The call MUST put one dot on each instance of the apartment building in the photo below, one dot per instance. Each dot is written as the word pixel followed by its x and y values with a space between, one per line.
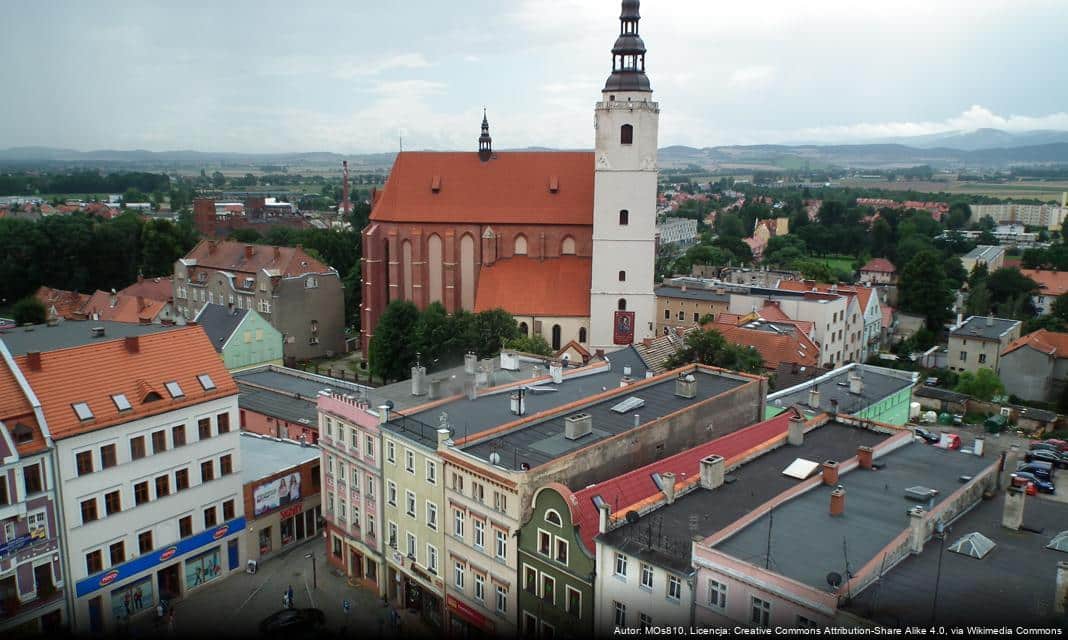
pixel 683 306
pixel 993 256
pixel 836 319
pixel 978 342
pixel 1047 216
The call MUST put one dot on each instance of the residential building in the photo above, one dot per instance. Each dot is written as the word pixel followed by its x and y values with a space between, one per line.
pixel 1047 216
pixel 101 305
pixel 863 322
pixel 859 390
pixel 1035 366
pixel 281 402
pixel 681 231
pixel 32 586
pixel 1051 285
pixel 835 318
pixel 242 337
pixel 219 219
pixel 297 294
pixel 878 271
pixel 777 342
pixel 148 467
pixel 281 493
pixel 1007 235
pixel 977 343
pixel 683 306
pixel 993 256
pixel 762 277
pixel 160 288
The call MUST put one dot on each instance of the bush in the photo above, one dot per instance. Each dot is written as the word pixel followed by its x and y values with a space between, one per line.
pixel 29 310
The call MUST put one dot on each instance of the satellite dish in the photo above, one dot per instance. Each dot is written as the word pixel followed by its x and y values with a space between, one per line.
pixel 834 579
pixel 389 405
pixel 495 458
pixel 631 516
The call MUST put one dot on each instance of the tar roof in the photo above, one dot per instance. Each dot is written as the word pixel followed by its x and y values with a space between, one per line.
pixel 284 406
pixel 984 328
pixel 1015 581
pixel 692 294
pixel 751 485
pixel 807 542
pixel 297 383
pixel 219 322
pixel 262 456
pixel 72 333
pixel 878 383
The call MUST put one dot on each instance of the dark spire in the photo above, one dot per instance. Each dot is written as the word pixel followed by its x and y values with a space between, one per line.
pixel 628 54
pixel 485 142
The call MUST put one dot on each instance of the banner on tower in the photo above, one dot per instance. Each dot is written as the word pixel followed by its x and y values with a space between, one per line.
pixel 624 328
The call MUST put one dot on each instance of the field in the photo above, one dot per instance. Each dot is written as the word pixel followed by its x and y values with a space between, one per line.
pixel 838 263
pixel 1051 190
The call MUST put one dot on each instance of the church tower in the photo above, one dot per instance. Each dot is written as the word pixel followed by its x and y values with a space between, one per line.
pixel 622 302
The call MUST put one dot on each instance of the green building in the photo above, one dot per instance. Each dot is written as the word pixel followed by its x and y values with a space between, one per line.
pixel 241 336
pixel 556 568
pixel 860 390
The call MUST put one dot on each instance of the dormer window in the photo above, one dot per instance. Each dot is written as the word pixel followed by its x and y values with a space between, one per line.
pixel 22 433
pixel 311 282
pixel 174 389
pixel 83 411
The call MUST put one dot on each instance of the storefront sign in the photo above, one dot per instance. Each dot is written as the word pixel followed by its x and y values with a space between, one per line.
pixel 276 493
pixel 13 546
pixel 466 612
pixel 151 560
pixel 623 327
pixel 289 512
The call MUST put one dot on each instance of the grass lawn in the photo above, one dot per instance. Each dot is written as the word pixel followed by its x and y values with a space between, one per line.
pixel 838 263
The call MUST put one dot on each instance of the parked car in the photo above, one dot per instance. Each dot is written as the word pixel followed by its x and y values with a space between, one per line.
pixel 1044 446
pixel 1055 458
pixel 1038 468
pixel 928 436
pixel 1045 486
pixel 1060 444
pixel 289 622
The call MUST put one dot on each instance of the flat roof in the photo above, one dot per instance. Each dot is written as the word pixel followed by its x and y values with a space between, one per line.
pixel 704 512
pixel 262 456
pixel 878 383
pixel 1013 584
pixel 306 385
pixel 278 405
pixel 807 543
pixel 984 252
pixel 692 294
pixel 984 327
pixel 72 333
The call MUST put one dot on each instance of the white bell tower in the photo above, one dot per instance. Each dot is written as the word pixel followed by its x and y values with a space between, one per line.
pixel 624 200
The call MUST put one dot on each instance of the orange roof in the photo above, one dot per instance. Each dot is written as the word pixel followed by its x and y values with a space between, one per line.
pixel 774 347
pixel 1049 342
pixel 1051 283
pixel 513 187
pixel 879 265
pixel 232 256
pixel 94 372
pixel 67 303
pixel 16 412
pixel 122 308
pixel 526 286
pixel 863 293
pixel 161 289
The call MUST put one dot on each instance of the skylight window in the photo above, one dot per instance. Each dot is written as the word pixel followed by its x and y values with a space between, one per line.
pixel 83 411
pixel 206 382
pixel 174 389
pixel 121 402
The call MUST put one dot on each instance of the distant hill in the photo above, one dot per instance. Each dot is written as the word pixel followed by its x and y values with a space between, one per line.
pixel 979 139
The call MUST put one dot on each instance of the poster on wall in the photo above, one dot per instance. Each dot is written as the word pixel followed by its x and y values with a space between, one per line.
pixel 202 568
pixel 133 599
pixel 623 327
pixel 276 493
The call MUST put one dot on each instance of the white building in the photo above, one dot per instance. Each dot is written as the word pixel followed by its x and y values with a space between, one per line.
pixel 1049 216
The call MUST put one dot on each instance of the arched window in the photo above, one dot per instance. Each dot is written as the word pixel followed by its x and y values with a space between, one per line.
pixel 523 329
pixel 626 134
pixel 622 304
pixel 624 217
pixel 467 272
pixel 520 245
pixel 622 276
pixel 434 260
pixel 406 268
pixel 553 517
pixel 582 334
pixel 567 247
pixel 556 337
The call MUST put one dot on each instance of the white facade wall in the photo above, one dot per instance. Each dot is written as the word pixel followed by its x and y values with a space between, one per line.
pixel 1033 215
pixel 827 316
pixel 612 589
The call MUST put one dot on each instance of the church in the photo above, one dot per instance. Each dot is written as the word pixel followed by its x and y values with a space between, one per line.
pixel 563 240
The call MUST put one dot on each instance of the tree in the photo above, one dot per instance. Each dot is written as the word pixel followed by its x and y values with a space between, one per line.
pixel 1059 308
pixel 958 216
pixel 924 289
pixel 1010 293
pixel 882 238
pixel 711 348
pixel 29 310
pixel 392 350
pixel 249 236
pixel 978 303
pixel 532 344
pixel 218 180
pixel 494 328
pixel 984 384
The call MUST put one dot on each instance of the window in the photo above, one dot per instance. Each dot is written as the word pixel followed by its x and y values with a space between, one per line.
pixel 621 304
pixel 204 428
pixel 626 134
pixel 392 533
pixel 140 493
pixel 457 482
pixel 144 542
pixel 432 559
pixel 682 315
pixel 117 551
pixel 622 276
pixel 553 517
pixel 644 621
pixel 209 517
pixel 478 492
pixel 185 526
pixel 674 591
pixel 620 614
pixel 94 561
pixel 548 589
pixel 369 447
pixel 89 510
pixel 480 532
pixel 431 472
pixel 760 614
pixel 696 317
pixel 544 542
pixel 391 492
pixel 311 282
pixel 458 523
pixel 409 461
pixel 178 436
pixel 502 599
pixel 84 462
pixel 582 334
pixel 35 522
pixel 207 471
pixel 667 314
pixel 107 456
pixel 561 550
pixel 409 503
pixel 621 565
pixel 163 486
pixel 206 382
pixel 355 441
pixel 391 452
pixel 624 217
pixel 370 486
pixel 717 595
pixel 520 245
pixel 530 579
pixel 805 623
pixel 963 356
pixel 174 389
pixel 647 576
pixel 355 478
pixel 83 411
pixel 222 423
pixel 458 575
pixel 502 544
pixel 181 479
pixel 137 447
pixel 982 358
pixel 4 499
pixel 500 501
pixel 432 516
pixel 480 588
pixel 226 465
pixel 159 441
pixel 411 545
pixel 573 602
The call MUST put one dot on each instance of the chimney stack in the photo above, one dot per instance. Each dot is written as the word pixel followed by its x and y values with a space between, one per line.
pixel 917 529
pixel 795 432
pixel 712 470
pixel 1060 597
pixel 556 370
pixel 443 437
pixel 133 344
pixel 434 389
pixel 604 512
pixel 1012 515
pixel 830 472
pixel 990 320
pixel 383 413
pixel 864 457
pixel 686 385
pixel 248 251
pixel 33 360
pixel 838 502
pixel 470 362
pixel 814 397
pixel 856 383
pixel 140 303
pixel 212 246
pixel 277 253
pixel 667 484
pixel 418 380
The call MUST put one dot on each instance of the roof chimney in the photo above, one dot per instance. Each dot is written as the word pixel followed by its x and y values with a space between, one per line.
pixel 814 397
pixel 140 303
pixel 556 370
pixel 830 472
pixel 578 425
pixel 383 413
pixel 856 383
pixel 133 344
pixel 96 332
pixel 795 431
pixel 1012 514
pixel 33 360
pixel 419 381
pixel 712 470
pixel 470 362
pixel 212 246
pixel 667 485
pixel 443 437
pixel 917 529
pixel 248 251
pixel 864 457
pixel 838 501
pixel 686 385
pixel 433 391
pixel 604 512
pixel 990 320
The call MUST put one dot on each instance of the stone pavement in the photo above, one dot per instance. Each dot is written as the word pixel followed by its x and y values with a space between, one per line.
pixel 235 605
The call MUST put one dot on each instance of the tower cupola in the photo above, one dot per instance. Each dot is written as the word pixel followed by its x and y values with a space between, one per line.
pixel 628 54
pixel 485 142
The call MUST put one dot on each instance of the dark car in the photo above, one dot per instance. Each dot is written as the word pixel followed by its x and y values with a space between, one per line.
pixel 1045 486
pixel 1062 445
pixel 928 436
pixel 1055 458
pixel 292 621
pixel 1044 470
pixel 1044 446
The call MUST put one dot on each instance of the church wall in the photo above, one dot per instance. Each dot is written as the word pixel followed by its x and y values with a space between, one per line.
pixel 569 328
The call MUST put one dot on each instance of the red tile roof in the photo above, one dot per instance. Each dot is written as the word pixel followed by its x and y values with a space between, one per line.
pixel 879 265
pixel 1051 283
pixel 16 411
pixel 774 348
pixel 121 308
pixel 231 256
pixel 1048 342
pixel 527 286
pixel 862 293
pixel 94 372
pixel 513 187
pixel 67 303
pixel 637 485
pixel 161 289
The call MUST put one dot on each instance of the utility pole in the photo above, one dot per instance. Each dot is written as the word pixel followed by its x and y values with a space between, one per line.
pixel 315 580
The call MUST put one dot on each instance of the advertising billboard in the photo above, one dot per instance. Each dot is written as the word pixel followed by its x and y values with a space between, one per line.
pixel 276 493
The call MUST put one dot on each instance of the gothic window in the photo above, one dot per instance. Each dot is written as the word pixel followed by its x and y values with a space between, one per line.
pixel 582 334
pixel 523 329
pixel 624 217
pixel 567 247
pixel 434 260
pixel 622 276
pixel 556 337
pixel 626 134
pixel 520 245
pixel 622 304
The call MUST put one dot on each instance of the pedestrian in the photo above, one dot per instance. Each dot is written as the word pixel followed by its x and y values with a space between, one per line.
pixel 289 595
pixel 138 599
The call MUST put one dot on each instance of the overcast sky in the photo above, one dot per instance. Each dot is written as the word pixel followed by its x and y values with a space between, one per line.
pixel 352 76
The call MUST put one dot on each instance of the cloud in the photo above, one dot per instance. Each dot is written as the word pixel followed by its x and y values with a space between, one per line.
pixel 354 69
pixel 344 67
pixel 751 78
